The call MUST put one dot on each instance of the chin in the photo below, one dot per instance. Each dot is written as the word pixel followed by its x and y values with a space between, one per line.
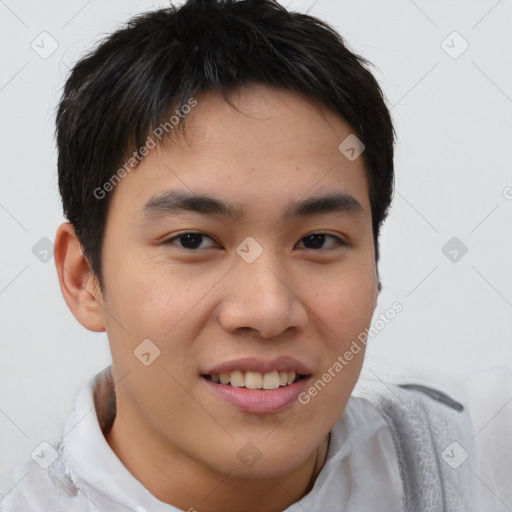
pixel 260 460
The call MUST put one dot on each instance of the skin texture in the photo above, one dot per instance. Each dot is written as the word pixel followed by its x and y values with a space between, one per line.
pixel 205 306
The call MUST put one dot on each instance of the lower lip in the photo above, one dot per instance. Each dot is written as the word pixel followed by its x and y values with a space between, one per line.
pixel 259 400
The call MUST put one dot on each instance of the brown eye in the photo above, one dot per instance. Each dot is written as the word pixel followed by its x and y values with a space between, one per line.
pixel 188 240
pixel 317 240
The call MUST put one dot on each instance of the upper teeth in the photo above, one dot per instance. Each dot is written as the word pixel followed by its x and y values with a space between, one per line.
pixel 255 380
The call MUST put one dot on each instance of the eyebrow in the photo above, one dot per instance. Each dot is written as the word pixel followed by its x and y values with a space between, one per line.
pixel 175 202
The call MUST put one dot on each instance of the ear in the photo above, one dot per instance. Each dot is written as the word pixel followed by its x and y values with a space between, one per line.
pixel 78 283
pixel 378 288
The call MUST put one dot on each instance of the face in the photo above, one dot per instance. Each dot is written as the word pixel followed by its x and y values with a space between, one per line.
pixel 251 281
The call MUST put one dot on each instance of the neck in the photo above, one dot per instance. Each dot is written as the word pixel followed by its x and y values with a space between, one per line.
pixel 176 479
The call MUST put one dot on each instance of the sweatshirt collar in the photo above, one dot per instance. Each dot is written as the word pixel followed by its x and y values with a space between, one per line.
pixel 90 461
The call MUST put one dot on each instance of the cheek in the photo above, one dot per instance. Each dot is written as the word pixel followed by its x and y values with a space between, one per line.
pixel 343 309
pixel 149 293
pixel 165 302
pixel 344 302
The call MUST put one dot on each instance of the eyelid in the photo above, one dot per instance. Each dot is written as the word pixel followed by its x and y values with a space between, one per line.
pixel 341 241
pixel 168 240
pixel 339 236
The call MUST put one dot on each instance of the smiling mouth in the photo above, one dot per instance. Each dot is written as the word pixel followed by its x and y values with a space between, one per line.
pixel 256 380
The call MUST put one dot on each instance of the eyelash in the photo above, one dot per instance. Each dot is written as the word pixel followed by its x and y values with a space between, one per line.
pixel 169 241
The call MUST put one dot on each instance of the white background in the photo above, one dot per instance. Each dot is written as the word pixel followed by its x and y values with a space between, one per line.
pixel 453 118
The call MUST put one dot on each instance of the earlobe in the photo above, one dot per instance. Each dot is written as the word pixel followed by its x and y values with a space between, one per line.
pixel 77 281
pixel 378 288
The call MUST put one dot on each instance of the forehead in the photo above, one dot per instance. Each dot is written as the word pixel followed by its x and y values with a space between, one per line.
pixel 275 145
pixel 259 116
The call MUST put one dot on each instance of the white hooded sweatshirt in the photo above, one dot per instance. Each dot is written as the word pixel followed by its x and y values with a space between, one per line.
pixel 392 449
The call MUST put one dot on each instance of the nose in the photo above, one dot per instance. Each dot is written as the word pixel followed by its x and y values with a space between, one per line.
pixel 264 298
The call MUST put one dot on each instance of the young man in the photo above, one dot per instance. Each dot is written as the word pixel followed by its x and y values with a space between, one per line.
pixel 226 168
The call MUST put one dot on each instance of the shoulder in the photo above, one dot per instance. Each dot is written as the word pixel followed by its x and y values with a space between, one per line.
pixel 432 437
pixel 490 405
pixel 35 489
